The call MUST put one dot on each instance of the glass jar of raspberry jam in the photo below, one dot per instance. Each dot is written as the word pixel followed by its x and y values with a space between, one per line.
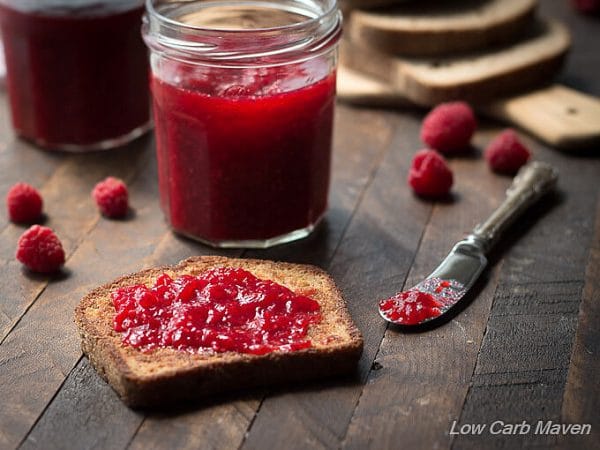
pixel 77 71
pixel 243 105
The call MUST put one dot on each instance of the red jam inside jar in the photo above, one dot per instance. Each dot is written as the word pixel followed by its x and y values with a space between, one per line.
pixel 220 310
pixel 76 75
pixel 243 141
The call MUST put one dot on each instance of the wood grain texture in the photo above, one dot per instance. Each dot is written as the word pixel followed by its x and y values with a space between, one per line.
pixel 437 29
pixel 565 118
pixel 87 422
pixel 20 162
pixel 581 401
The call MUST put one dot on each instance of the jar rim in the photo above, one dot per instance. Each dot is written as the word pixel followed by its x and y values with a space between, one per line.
pixel 332 8
pixel 264 45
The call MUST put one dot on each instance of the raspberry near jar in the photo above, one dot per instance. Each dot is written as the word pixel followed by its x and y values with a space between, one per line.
pixel 243 102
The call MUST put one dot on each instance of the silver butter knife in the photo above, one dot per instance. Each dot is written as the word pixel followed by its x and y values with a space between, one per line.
pixel 453 278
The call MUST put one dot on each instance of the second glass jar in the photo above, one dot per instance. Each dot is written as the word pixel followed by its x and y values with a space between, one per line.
pixel 77 72
pixel 243 102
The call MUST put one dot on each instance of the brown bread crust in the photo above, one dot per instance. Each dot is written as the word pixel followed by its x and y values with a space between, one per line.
pixel 476 77
pixel 430 28
pixel 167 376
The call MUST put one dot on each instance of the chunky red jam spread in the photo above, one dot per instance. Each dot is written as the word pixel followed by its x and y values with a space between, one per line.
pixel 424 302
pixel 222 309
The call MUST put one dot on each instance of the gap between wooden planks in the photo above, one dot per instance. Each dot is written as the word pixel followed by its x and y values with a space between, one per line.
pixel 581 400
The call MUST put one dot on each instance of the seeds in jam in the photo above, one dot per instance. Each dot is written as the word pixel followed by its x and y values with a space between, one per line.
pixel 222 309
pixel 424 302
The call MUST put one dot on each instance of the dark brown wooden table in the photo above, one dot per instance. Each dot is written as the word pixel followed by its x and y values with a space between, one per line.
pixel 526 347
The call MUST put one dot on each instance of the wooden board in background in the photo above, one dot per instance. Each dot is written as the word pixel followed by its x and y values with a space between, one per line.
pixel 562 117
pixel 477 77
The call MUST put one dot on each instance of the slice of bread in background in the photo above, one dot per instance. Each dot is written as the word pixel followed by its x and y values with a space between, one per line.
pixel 167 376
pixel 438 28
pixel 348 5
pixel 475 77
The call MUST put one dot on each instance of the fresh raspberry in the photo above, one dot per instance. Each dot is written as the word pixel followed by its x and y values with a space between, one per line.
pixel 24 203
pixel 112 197
pixel 506 154
pixel 429 174
pixel 40 250
pixel 449 127
pixel 586 6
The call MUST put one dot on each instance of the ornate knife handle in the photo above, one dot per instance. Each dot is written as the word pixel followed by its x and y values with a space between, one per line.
pixel 532 182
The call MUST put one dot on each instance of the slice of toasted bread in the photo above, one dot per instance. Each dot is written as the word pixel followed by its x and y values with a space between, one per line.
pixel 434 28
pixel 475 77
pixel 167 375
pixel 347 5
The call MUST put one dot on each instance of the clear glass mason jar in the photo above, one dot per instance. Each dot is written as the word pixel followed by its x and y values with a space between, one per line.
pixel 77 71
pixel 244 96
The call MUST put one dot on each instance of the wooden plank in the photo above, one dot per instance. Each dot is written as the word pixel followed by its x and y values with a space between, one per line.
pixel 538 339
pixel 581 401
pixel 360 140
pixel 44 346
pixel 71 214
pixel 417 379
pixel 374 257
pixel 512 398
pixel 105 424
pixel 216 425
pixel 522 366
pixel 173 248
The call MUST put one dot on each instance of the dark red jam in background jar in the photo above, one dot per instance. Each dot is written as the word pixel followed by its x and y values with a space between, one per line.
pixel 243 105
pixel 77 71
